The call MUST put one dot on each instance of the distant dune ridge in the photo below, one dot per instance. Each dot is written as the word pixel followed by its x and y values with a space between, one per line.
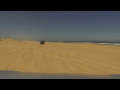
pixel 9 40
pixel 83 58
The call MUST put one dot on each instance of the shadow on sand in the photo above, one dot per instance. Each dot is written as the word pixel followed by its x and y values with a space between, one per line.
pixel 22 75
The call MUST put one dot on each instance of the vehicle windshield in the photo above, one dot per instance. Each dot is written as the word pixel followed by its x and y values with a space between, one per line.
pixel 60 42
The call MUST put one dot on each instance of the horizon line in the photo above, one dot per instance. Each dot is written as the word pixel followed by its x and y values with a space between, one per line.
pixel 62 40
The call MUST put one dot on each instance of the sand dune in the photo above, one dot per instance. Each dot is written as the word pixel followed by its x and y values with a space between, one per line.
pixel 59 57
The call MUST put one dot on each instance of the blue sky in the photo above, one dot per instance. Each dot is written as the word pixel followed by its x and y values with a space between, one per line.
pixel 61 25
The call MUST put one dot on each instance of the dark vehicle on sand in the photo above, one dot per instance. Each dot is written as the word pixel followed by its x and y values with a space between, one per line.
pixel 42 42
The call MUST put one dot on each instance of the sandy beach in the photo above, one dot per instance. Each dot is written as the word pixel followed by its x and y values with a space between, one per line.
pixel 53 57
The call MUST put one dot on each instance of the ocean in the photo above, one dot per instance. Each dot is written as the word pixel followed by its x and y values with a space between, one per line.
pixel 94 42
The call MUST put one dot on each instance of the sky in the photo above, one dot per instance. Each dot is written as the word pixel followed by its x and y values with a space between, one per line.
pixel 61 25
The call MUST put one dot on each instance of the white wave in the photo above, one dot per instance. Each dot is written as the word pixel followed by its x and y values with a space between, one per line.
pixel 110 43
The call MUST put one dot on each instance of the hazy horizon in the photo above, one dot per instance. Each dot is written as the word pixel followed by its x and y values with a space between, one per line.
pixel 61 25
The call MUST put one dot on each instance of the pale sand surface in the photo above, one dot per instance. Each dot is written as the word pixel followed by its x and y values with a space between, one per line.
pixel 73 58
